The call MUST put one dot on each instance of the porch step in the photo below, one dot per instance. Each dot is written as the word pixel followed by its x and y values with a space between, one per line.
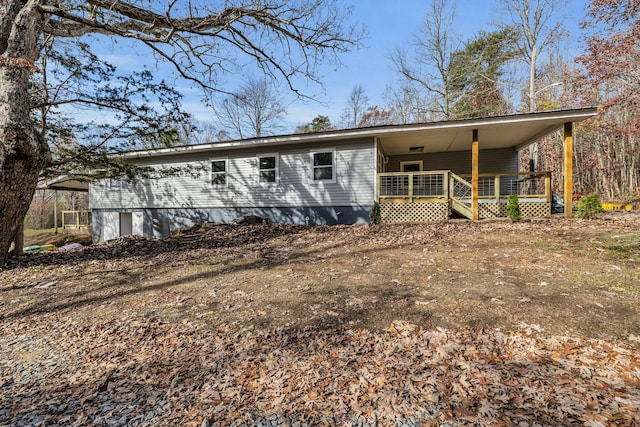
pixel 461 208
pixel 460 188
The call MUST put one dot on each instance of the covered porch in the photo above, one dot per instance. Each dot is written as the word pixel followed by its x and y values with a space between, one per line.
pixel 75 220
pixel 438 195
pixel 469 168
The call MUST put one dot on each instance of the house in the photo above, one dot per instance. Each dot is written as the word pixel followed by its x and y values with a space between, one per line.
pixel 74 219
pixel 417 172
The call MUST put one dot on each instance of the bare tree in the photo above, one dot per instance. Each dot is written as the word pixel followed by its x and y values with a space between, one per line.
pixel 199 132
pixel 533 22
pixel 405 103
pixel 253 111
pixel 610 146
pixel 285 39
pixel 357 104
pixel 376 116
pixel 428 67
pixel 207 132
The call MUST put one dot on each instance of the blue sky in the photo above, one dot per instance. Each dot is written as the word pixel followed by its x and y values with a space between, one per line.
pixel 389 25
pixel 392 24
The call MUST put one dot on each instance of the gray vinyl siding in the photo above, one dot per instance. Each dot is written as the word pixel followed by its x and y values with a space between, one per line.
pixel 489 161
pixel 192 188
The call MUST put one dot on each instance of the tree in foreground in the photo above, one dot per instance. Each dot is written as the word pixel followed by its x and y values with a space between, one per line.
pixel 286 40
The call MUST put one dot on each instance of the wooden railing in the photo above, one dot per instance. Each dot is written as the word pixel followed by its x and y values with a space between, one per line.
pixel 445 184
pixel 527 185
pixel 460 193
pixel 432 184
pixel 76 219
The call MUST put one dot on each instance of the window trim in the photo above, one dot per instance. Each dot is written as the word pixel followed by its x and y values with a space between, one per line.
pixel 115 183
pixel 333 166
pixel 276 169
pixel 226 171
pixel 412 162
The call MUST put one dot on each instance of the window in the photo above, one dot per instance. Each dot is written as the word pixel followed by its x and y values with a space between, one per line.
pixel 219 172
pixel 412 166
pixel 115 183
pixel 268 168
pixel 324 168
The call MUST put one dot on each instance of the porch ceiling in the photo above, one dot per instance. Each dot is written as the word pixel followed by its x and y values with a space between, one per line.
pixel 63 182
pixel 494 132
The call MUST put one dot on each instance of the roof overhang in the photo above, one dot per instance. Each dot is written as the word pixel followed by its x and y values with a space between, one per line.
pixel 515 131
pixel 63 182
pixel 511 131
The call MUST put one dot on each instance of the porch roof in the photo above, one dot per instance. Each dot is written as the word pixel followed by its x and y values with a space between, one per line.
pixel 514 131
pixel 517 131
pixel 63 182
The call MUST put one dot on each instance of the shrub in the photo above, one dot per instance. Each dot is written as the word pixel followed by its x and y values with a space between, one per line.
pixel 513 208
pixel 589 207
pixel 374 214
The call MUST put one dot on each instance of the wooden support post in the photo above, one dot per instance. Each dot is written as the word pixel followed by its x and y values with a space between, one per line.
pixel 474 176
pixel 547 186
pixel 496 188
pixel 55 211
pixel 568 170
pixel 410 188
pixel 445 186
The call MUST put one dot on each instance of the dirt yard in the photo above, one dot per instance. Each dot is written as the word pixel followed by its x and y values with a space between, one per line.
pixel 488 323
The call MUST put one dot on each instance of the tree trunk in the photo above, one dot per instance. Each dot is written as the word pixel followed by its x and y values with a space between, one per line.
pixel 532 79
pixel 23 152
pixel 18 241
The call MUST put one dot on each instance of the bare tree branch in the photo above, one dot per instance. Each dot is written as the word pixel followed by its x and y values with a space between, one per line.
pixel 307 33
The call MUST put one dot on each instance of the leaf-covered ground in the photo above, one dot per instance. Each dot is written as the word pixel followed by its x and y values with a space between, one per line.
pixel 459 323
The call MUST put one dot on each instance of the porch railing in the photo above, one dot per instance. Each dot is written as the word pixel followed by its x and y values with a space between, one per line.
pixel 76 219
pixel 460 193
pixel 527 185
pixel 436 184
pixel 412 184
